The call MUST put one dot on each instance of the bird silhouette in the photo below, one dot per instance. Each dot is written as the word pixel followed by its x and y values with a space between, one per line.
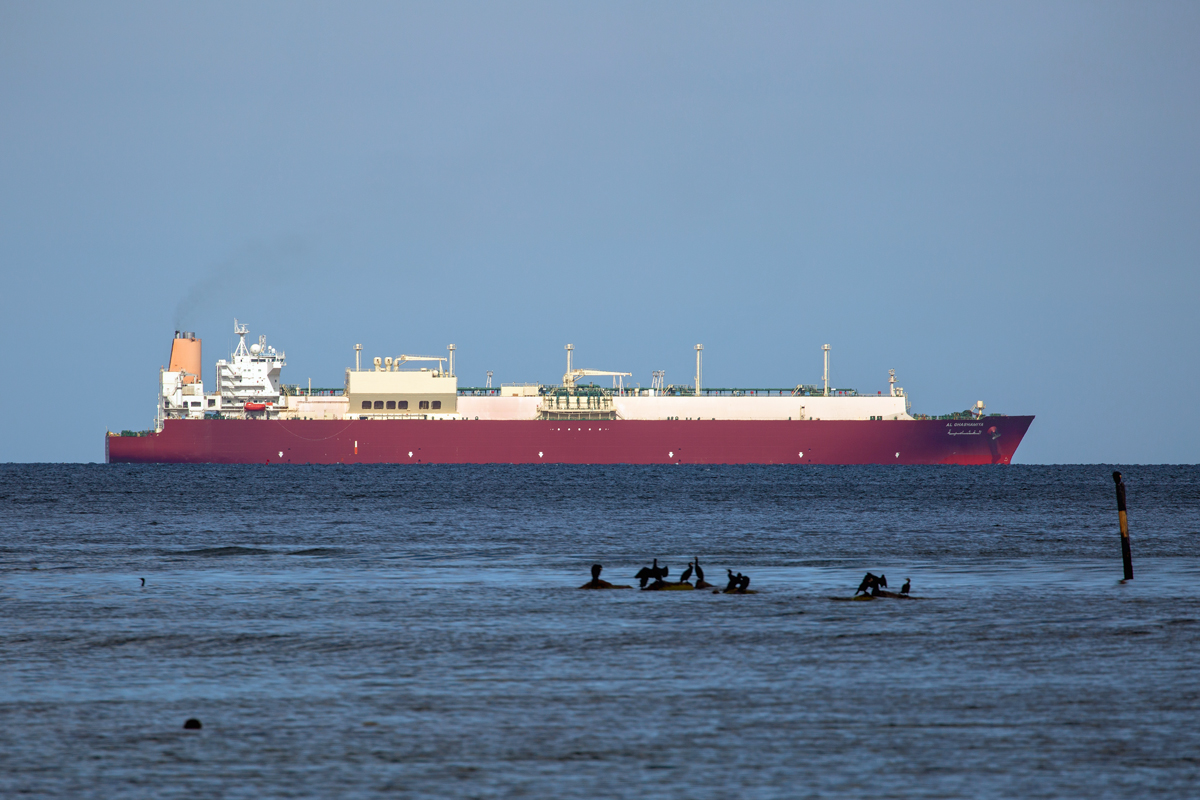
pixel 907 585
pixel 734 581
pixel 687 573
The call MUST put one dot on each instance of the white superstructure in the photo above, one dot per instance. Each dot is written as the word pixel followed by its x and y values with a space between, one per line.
pixel 249 378
pixel 249 384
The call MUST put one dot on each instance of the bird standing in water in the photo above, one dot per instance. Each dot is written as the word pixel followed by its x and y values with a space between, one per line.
pixel 907 585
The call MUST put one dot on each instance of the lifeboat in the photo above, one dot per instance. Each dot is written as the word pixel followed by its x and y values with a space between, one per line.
pixel 257 406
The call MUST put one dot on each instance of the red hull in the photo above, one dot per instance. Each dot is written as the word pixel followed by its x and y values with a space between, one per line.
pixel 992 440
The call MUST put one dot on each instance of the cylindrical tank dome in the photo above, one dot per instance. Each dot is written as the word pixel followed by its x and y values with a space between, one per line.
pixel 185 356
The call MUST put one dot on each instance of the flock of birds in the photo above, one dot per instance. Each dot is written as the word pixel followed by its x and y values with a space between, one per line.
pixel 655 577
pixel 876 586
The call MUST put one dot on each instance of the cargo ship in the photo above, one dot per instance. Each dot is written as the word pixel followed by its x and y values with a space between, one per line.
pixel 410 410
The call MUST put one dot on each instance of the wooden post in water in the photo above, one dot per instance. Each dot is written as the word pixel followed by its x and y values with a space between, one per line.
pixel 1126 554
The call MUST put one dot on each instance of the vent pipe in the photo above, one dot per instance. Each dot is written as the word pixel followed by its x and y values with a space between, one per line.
pixel 826 378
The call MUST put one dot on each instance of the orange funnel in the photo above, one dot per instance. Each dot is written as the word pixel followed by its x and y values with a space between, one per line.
pixel 185 356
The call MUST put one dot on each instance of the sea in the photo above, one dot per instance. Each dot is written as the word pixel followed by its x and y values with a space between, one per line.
pixel 419 631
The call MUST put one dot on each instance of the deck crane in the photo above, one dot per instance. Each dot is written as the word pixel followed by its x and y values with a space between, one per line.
pixel 570 377
pixel 402 358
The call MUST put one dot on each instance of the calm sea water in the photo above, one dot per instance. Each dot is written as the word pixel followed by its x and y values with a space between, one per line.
pixel 364 631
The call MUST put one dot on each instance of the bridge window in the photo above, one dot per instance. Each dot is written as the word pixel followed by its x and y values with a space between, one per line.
pixel 403 405
pixel 366 404
pixel 437 404
pixel 379 404
pixel 391 404
pixel 423 404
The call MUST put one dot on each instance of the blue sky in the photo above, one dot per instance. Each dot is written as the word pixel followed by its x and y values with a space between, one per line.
pixel 999 201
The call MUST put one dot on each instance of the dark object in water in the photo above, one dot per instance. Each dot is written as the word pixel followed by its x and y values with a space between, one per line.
pixel 654 572
pixel 907 585
pixel 700 582
pixel 687 574
pixel 192 724
pixel 872 583
pixel 738 584
pixel 596 583
pixel 143 581
pixel 642 576
pixel 1123 521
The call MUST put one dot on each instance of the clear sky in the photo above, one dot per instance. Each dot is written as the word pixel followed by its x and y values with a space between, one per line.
pixel 1001 201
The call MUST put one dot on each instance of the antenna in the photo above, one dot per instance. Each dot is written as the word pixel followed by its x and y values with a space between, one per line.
pixel 826 378
pixel 699 363
pixel 240 331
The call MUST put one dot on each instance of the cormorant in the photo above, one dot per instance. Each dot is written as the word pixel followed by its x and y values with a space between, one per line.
pixel 646 573
pixel 744 584
pixel 643 575
pixel 735 582
pixel 907 584
pixel 596 568
pixel 687 573
pixel 143 581
pixel 869 582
